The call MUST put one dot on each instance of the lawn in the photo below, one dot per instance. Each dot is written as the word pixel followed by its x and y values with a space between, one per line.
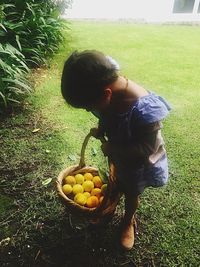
pixel 35 228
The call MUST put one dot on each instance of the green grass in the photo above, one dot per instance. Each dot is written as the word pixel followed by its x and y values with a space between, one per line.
pixel 163 58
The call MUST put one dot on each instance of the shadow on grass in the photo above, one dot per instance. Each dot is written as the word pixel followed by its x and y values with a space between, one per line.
pixel 36 231
pixel 65 243
pixel 82 245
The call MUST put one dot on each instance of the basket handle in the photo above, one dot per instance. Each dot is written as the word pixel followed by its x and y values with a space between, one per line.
pixel 85 142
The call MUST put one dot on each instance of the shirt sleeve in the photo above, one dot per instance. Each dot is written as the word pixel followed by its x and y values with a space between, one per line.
pixel 150 109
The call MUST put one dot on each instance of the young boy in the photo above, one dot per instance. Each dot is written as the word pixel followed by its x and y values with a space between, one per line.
pixel 129 116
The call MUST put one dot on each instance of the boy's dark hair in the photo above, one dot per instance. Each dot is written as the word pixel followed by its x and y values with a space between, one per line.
pixel 84 77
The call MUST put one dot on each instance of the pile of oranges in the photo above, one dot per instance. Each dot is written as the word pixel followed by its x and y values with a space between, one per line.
pixel 85 189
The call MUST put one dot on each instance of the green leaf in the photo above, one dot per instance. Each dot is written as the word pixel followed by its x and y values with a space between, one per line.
pixel 8 5
pixel 13 100
pixel 72 157
pixel 94 151
pixel 47 181
pixel 43 20
pixel 104 174
pixel 1 25
pixel 4 99
pixel 35 130
pixel 18 42
pixel 17 82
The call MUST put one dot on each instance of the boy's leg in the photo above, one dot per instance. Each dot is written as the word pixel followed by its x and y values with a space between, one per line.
pixel 127 236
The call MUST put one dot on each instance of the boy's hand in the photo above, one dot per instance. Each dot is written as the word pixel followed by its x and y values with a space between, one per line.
pixel 97 133
pixel 94 132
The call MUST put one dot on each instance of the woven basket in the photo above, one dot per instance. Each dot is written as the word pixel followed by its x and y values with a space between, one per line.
pixel 110 199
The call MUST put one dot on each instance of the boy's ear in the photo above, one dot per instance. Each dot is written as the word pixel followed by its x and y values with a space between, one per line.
pixel 107 93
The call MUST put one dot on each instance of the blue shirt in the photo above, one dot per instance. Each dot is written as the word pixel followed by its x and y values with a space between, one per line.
pixel 123 129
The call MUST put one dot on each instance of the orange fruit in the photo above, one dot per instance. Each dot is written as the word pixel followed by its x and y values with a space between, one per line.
pixel 96 192
pixel 88 176
pixel 80 199
pixel 67 189
pixel 92 202
pixel 77 188
pixel 88 186
pixel 70 180
pixel 97 181
pixel 79 178
pixel 87 194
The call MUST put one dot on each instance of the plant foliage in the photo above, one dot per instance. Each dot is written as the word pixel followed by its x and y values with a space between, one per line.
pixel 30 32
pixel 13 68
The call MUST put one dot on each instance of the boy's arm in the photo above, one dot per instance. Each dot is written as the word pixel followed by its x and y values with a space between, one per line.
pixel 98 132
pixel 149 146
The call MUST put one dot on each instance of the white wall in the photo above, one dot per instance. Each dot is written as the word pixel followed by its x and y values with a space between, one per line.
pixel 146 10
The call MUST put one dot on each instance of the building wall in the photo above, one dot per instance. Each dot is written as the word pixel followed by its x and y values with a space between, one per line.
pixel 141 10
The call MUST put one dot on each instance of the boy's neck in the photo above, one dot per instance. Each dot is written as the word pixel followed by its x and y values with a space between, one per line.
pixel 125 92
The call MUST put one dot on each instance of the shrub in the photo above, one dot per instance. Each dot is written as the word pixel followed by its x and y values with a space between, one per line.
pixel 13 84
pixel 30 32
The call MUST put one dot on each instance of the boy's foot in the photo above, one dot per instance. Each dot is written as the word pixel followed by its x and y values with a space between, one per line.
pixel 127 236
